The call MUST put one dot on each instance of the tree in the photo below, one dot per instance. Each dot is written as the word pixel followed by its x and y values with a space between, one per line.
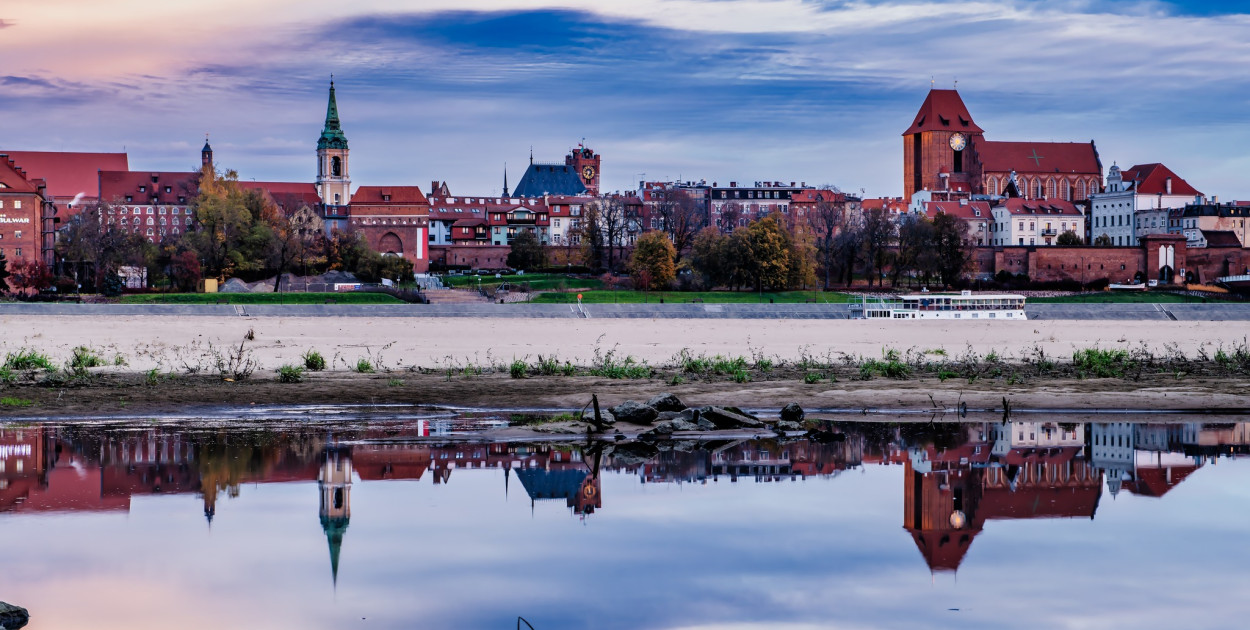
pixel 526 253
pixel 680 216
pixel 653 263
pixel 915 246
pixel 221 210
pixel 951 247
pixel 99 249
pixel 4 273
pixel 730 216
pixel 707 257
pixel 31 275
pixel 1070 239
pixel 768 249
pixel 1103 240
pixel 878 232
pixel 826 220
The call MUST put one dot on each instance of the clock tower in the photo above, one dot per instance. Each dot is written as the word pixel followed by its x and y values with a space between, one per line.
pixel 939 147
pixel 586 163
pixel 333 182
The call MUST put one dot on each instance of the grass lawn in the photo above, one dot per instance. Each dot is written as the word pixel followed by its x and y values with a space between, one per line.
pixel 1120 297
pixel 713 297
pixel 536 281
pixel 259 298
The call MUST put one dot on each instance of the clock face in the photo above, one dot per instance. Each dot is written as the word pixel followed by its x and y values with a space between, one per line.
pixel 959 141
pixel 588 172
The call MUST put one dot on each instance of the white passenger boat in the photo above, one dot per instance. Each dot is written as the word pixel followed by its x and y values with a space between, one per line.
pixel 962 305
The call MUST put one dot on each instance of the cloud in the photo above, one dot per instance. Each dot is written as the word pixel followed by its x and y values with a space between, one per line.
pixel 731 89
pixel 7 23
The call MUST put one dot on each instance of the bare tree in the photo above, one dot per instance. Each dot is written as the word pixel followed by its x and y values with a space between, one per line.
pixel 731 214
pixel 680 216
pixel 878 233
pixel 827 219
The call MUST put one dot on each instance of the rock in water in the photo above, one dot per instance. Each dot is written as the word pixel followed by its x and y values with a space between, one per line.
pixel 726 419
pixel 666 402
pixel 634 413
pixel 792 413
pixel 13 617
pixel 633 453
pixel 787 425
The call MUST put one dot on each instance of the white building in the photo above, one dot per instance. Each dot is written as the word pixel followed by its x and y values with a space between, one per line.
pixel 1136 203
pixel 1034 222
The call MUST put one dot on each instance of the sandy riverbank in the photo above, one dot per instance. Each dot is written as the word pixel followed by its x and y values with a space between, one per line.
pixel 147 342
pixel 427 361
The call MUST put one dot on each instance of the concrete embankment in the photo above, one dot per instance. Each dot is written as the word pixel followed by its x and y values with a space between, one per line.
pixel 1148 312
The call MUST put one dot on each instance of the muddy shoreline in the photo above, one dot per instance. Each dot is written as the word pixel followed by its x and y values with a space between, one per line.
pixel 124 394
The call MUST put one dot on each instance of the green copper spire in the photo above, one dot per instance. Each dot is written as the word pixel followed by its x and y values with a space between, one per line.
pixel 332 135
pixel 334 529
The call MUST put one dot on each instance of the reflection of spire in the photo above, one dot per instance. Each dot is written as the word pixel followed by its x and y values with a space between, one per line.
pixel 507 473
pixel 210 503
pixel 335 484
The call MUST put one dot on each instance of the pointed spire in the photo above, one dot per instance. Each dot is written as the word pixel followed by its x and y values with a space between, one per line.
pixel 505 179
pixel 332 134
pixel 531 154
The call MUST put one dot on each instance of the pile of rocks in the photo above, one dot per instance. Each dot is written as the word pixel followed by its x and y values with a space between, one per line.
pixel 666 414
pixel 13 617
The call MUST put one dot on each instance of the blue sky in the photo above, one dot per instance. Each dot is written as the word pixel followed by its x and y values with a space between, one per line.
pixel 743 90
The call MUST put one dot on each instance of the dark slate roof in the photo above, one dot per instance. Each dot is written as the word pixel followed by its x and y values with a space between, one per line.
pixel 551 484
pixel 549 179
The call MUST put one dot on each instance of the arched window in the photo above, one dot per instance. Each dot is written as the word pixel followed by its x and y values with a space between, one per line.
pixel 991 186
pixel 1037 189
pixel 1065 189
pixel 151 222
pixel 1050 189
pixel 1080 189
pixel 336 166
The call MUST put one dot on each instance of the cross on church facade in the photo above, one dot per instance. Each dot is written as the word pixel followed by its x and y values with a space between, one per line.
pixel 1037 159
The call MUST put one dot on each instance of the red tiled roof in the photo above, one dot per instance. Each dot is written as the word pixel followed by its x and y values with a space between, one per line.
pixel 1156 482
pixel 14 179
pixel 68 174
pixel 1041 207
pixel 943 110
pixel 397 194
pixel 815 196
pixel 1040 502
pixel 944 549
pixel 1038 157
pixel 956 209
pixel 116 185
pixel 469 223
pixel 1151 179
pixel 288 194
pixel 1221 238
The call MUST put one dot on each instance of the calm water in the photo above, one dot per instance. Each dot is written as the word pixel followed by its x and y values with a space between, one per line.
pixel 338 525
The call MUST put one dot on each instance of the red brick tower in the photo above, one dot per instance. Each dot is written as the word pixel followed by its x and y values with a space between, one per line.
pixel 586 162
pixel 939 141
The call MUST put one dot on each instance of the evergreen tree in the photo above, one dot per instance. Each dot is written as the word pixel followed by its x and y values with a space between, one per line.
pixel 4 273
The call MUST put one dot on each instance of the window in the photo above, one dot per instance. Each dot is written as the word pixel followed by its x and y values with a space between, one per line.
pixel 17 234
pixel 18 252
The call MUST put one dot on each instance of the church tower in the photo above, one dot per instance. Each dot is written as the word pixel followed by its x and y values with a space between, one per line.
pixel 333 181
pixel 938 147
pixel 206 154
pixel 335 483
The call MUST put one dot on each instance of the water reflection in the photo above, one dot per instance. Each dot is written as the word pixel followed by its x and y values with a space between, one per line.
pixel 956 478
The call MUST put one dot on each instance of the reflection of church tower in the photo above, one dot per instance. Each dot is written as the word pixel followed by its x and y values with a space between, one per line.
pixel 335 483
pixel 333 180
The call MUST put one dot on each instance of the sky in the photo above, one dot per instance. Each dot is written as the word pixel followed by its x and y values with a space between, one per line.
pixel 816 91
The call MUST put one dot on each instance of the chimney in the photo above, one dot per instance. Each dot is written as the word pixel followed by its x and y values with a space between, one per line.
pixel 733 184
pixel 792 184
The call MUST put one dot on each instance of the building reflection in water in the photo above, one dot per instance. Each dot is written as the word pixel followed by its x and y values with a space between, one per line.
pixel 956 477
